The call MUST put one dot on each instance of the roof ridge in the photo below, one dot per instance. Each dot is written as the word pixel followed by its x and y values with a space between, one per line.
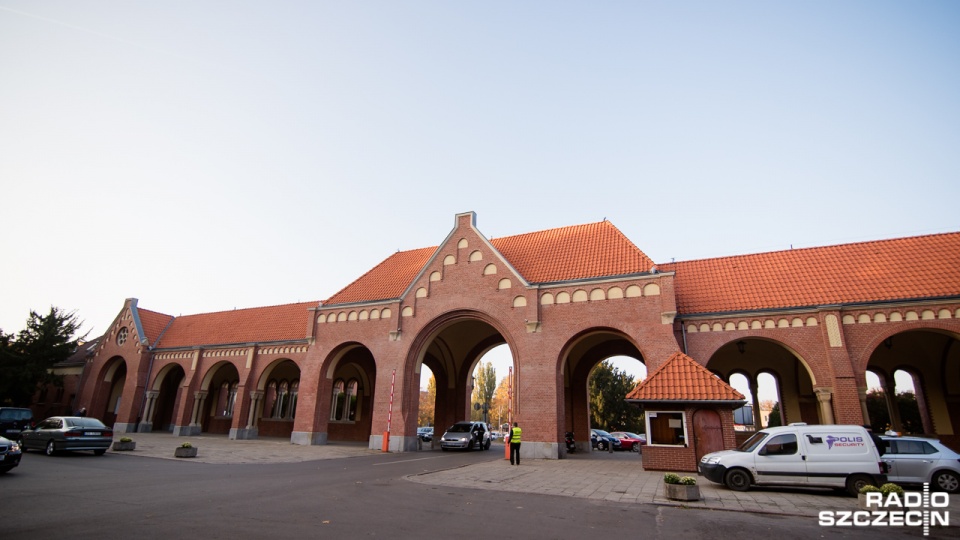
pixel 555 229
pixel 235 310
pixel 813 248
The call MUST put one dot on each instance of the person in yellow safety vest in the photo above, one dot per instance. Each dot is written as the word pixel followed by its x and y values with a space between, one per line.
pixel 515 444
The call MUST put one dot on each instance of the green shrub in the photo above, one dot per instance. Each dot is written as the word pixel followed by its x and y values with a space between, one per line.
pixel 186 445
pixel 890 487
pixel 869 489
pixel 125 439
pixel 671 478
pixel 688 481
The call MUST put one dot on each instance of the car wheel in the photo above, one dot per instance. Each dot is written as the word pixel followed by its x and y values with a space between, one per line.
pixel 444 449
pixel 486 445
pixel 51 449
pixel 856 482
pixel 947 481
pixel 100 452
pixel 635 447
pixel 738 480
pixel 601 445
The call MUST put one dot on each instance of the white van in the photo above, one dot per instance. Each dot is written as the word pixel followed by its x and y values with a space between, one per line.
pixel 799 455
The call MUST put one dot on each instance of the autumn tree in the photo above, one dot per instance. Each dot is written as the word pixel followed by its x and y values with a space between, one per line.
pixel 428 402
pixel 484 386
pixel 500 405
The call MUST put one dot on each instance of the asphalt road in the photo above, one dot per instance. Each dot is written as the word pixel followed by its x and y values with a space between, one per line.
pixel 116 496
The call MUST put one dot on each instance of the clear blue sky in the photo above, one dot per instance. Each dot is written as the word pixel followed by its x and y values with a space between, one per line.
pixel 203 156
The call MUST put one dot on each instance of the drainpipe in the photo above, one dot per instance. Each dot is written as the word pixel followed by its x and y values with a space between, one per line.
pixel 683 332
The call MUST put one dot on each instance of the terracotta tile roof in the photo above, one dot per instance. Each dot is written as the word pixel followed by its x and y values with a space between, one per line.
pixel 899 269
pixel 681 378
pixel 576 252
pixel 385 280
pixel 153 324
pixel 566 253
pixel 255 325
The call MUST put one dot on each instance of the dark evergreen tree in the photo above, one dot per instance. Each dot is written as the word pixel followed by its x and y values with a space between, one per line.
pixel 609 409
pixel 25 362
pixel 775 419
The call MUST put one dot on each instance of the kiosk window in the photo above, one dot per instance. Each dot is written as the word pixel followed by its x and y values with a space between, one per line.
pixel 666 428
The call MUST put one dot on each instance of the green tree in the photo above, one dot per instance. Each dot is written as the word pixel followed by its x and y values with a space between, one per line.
pixel 910 421
pixel 609 409
pixel 484 386
pixel 25 362
pixel 774 419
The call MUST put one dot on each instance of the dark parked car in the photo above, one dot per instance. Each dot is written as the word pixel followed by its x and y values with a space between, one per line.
pixel 425 433
pixel 630 441
pixel 13 420
pixel 59 433
pixel 9 454
pixel 601 440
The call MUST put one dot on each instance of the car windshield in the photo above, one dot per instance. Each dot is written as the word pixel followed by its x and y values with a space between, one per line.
pixel 85 422
pixel 751 443
pixel 602 433
pixel 633 435
pixel 459 428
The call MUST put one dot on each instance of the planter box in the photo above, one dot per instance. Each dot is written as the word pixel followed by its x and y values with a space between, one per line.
pixel 185 452
pixel 681 492
pixel 862 502
pixel 120 446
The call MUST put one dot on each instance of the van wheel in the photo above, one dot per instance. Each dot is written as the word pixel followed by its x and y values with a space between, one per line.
pixel 856 482
pixel 947 481
pixel 738 480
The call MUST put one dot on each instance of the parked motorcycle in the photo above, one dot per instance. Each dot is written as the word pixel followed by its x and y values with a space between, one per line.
pixel 571 445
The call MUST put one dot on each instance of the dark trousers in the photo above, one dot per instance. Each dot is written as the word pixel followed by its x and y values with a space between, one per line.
pixel 514 451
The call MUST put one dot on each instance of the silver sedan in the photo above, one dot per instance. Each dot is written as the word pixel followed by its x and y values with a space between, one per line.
pixel 916 460
pixel 63 433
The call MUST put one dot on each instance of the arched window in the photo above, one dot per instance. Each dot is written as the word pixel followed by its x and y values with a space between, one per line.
pixel 223 398
pixel 352 400
pixel 337 403
pixel 231 399
pixel 294 390
pixel 283 399
pixel 270 400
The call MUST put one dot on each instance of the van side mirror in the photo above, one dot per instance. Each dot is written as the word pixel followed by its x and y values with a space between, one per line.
pixel 762 452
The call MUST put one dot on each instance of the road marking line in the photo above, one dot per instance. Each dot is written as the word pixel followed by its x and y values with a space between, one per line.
pixel 409 460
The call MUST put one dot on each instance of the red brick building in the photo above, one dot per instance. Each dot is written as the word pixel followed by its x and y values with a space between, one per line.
pixel 563 300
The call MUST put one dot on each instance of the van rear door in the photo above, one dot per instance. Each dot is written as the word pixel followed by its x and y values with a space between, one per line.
pixel 780 461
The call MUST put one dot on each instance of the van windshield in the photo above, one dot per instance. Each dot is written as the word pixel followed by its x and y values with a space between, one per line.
pixel 750 444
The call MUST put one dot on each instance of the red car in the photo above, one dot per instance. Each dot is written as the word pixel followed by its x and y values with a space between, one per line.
pixel 630 441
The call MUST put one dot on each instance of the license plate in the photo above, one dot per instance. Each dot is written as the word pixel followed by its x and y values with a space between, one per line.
pixel 91 433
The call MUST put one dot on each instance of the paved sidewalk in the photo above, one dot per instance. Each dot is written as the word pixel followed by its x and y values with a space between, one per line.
pixel 617 477
pixel 620 478
pixel 220 449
